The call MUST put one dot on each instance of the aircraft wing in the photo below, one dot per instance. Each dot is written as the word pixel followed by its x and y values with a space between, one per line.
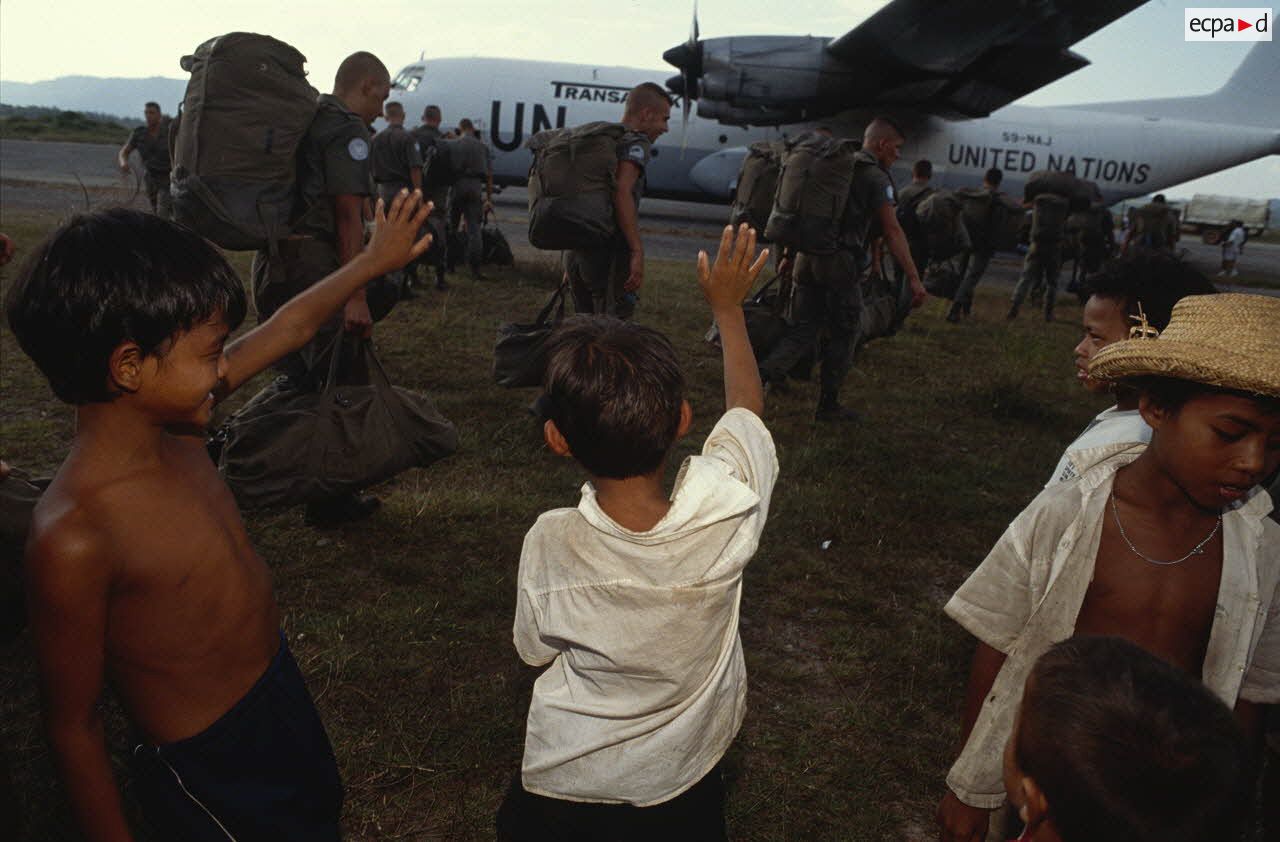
pixel 954 58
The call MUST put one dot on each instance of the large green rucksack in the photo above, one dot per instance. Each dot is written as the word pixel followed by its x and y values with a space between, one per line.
pixel 757 183
pixel 1049 218
pixel 247 107
pixel 571 185
pixel 984 215
pixel 812 197
pixel 1064 184
pixel 941 217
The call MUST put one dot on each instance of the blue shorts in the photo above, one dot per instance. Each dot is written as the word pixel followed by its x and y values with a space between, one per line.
pixel 264 772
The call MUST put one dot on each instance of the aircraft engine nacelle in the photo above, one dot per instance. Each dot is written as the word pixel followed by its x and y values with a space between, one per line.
pixel 764 80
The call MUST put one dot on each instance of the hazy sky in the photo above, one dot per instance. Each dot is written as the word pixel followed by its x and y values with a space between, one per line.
pixel 1141 55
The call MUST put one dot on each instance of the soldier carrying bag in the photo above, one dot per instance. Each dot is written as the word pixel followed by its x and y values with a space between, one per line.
pixel 941 217
pixel 246 109
pixel 288 446
pixel 572 180
pixel 813 194
pixel 757 183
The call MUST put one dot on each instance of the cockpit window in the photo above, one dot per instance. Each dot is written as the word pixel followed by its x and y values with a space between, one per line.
pixel 408 79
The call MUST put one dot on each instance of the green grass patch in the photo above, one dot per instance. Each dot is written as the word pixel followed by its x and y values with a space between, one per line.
pixel 403 624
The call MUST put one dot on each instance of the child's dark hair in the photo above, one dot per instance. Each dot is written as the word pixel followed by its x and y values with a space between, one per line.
pixel 615 390
pixel 1172 393
pixel 110 277
pixel 1156 281
pixel 1127 748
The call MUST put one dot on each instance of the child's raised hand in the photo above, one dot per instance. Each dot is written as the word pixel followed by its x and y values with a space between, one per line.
pixel 394 242
pixel 726 282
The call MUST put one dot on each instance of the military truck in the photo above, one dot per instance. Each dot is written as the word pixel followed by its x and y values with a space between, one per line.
pixel 1209 215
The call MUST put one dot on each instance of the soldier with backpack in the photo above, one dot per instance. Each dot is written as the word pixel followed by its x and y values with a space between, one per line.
pixel 1044 259
pixel 1152 227
pixel 437 178
pixel 585 186
pixel 834 198
pixel 983 211
pixel 472 166
pixel 334 182
pixel 909 199
pixel 397 165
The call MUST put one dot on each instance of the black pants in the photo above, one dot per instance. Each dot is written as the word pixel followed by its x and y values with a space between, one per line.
pixel 264 772
pixel 695 815
pixel 596 280
pixel 467 206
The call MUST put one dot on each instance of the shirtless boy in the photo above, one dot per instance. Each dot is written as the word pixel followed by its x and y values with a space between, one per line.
pixel 1166 545
pixel 139 570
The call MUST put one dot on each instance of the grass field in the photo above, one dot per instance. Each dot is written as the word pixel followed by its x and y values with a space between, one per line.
pixel 403 624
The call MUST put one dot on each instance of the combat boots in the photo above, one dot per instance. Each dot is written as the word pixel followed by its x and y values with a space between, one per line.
pixel 829 409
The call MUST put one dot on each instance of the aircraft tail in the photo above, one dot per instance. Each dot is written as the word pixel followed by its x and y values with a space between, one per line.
pixel 1251 97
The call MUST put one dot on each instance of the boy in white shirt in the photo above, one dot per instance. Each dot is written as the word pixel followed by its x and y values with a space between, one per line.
pixel 1119 298
pixel 632 598
pixel 1166 545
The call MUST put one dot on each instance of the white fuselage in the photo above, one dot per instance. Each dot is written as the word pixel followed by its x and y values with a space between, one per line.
pixel 1126 155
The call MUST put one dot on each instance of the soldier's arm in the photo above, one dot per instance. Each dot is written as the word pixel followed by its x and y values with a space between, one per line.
pixel 394 243
pixel 122 157
pixel 624 207
pixel 901 251
pixel 348 212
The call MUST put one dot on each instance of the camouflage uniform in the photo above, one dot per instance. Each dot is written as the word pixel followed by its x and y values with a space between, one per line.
pixel 471 161
pixel 1043 262
pixel 828 291
pixel 154 151
pixel 333 161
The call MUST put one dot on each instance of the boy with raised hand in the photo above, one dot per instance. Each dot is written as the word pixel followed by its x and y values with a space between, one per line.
pixel 1137 291
pixel 631 599
pixel 1167 544
pixel 1113 744
pixel 139 570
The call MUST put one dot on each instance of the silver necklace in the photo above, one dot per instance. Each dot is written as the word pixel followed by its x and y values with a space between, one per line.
pixel 1198 549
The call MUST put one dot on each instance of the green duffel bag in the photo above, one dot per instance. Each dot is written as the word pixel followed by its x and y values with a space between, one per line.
pixel 289 446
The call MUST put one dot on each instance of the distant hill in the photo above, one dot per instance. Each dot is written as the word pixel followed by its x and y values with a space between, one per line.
pixel 38 123
pixel 111 96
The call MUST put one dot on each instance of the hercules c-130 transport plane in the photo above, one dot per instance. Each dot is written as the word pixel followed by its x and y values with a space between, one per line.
pixel 946 71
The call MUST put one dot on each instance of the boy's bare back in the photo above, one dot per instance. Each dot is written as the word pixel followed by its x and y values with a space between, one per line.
pixel 147 562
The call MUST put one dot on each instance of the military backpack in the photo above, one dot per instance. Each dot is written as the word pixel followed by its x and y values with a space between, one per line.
pixel 246 109
pixel 941 216
pixel 1152 224
pixel 757 182
pixel 571 184
pixel 984 215
pixel 812 196
pixel 1049 218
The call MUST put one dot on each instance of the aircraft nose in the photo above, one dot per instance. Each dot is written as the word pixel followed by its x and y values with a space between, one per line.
pixel 716 173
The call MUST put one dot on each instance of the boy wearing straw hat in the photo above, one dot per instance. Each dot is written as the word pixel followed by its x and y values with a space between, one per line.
pixel 1167 544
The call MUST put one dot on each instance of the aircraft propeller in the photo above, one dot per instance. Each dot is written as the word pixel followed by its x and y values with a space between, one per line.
pixel 688 58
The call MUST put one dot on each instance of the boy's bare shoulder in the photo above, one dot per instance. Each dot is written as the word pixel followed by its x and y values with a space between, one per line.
pixel 67 549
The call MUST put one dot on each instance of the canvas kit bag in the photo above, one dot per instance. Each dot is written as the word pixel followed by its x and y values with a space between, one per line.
pixel 519 354
pixel 288 446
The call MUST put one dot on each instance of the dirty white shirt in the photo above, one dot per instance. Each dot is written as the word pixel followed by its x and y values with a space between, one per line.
pixel 1028 592
pixel 646 686
pixel 1112 426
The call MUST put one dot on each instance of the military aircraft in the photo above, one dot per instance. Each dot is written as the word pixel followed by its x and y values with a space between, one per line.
pixel 946 72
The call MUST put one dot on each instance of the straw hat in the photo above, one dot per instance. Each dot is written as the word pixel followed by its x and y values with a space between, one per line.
pixel 1228 340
